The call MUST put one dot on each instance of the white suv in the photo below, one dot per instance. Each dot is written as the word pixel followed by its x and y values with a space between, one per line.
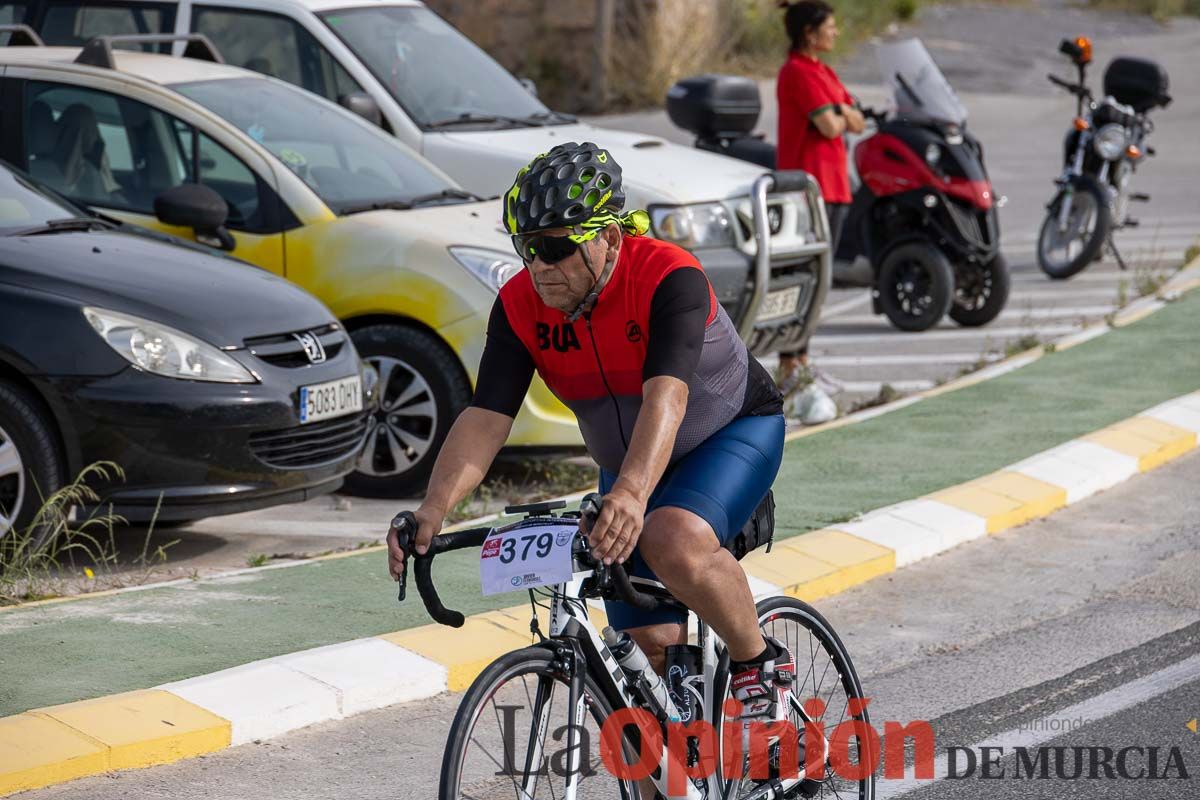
pixel 399 64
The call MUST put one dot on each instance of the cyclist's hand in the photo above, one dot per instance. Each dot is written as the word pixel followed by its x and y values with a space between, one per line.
pixel 618 527
pixel 429 523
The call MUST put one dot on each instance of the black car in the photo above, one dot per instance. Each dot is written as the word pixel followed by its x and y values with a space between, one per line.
pixel 216 386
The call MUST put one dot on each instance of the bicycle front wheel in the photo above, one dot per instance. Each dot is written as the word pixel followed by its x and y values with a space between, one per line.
pixel 825 672
pixel 509 738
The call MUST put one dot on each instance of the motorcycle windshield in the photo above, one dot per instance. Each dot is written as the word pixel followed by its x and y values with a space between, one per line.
pixel 918 87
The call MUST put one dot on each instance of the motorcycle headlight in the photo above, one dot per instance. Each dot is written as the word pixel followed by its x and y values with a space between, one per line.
pixel 492 267
pixel 694 226
pixel 165 351
pixel 1110 141
pixel 933 154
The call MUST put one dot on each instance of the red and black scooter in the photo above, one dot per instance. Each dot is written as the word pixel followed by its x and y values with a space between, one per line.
pixel 923 217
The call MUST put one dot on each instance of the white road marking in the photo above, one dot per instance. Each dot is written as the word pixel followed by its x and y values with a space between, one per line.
pixel 888 335
pixel 1099 707
pixel 905 358
pixel 873 387
pixel 1051 312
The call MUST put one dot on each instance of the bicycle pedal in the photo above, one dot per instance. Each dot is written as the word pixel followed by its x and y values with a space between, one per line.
pixel 1139 197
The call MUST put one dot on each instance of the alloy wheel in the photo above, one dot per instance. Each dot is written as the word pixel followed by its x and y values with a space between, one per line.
pixel 402 429
pixel 12 482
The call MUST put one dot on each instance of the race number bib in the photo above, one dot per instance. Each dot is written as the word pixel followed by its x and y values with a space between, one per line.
pixel 524 557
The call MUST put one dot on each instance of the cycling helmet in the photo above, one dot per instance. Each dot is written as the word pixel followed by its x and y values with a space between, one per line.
pixel 564 188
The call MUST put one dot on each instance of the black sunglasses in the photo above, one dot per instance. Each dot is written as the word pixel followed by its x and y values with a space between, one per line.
pixel 551 249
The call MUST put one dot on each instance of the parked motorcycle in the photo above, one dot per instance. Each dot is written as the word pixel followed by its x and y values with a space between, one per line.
pixel 923 214
pixel 1102 150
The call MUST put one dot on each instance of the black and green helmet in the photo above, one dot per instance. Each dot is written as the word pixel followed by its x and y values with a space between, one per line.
pixel 564 188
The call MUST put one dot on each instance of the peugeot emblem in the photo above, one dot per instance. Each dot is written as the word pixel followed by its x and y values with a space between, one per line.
pixel 312 347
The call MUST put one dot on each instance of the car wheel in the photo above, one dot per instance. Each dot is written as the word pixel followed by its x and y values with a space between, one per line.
pixel 915 285
pixel 422 389
pixel 30 467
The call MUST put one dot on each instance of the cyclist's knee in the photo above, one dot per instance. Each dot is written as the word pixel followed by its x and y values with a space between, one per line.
pixel 676 543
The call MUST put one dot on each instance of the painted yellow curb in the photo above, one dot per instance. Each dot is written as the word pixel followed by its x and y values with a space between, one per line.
pixel 144 728
pixel 468 651
pixel 820 563
pixel 1004 499
pixel 37 751
pixel 135 729
pixel 1151 441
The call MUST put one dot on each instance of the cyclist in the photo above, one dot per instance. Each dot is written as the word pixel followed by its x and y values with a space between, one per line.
pixel 687 428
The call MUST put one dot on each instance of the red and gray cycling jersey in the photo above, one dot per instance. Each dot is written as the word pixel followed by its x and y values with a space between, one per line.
pixel 657 316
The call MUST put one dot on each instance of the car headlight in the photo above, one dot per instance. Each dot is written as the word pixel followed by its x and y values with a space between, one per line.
pixel 694 226
pixel 1109 141
pixel 492 267
pixel 164 351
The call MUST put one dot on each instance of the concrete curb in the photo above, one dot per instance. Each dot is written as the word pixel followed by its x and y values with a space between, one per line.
pixel 268 698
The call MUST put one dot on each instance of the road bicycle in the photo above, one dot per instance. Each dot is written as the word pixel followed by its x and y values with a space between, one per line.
pixel 533 723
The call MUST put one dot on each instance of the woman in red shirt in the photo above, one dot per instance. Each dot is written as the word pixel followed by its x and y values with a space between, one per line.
pixel 815 110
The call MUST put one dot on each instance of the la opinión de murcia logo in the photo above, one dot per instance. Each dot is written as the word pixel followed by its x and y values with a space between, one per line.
pixel 856 750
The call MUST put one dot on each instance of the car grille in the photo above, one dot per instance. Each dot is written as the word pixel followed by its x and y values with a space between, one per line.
pixel 286 350
pixel 310 445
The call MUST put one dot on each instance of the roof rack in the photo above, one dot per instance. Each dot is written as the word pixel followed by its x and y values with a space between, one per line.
pixel 98 52
pixel 22 36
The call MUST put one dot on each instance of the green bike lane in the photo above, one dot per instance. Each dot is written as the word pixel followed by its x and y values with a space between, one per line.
pixel 91 647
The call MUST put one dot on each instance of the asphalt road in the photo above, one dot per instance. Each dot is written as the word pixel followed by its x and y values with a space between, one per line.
pixel 1077 630
pixel 997 58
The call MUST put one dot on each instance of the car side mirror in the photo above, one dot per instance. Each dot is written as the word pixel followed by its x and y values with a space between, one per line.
pixel 529 85
pixel 195 206
pixel 364 105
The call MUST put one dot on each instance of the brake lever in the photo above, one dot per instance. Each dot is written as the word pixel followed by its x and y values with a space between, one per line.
pixel 405 524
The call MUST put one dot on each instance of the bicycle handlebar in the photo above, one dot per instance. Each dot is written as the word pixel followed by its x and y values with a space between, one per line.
pixel 405 524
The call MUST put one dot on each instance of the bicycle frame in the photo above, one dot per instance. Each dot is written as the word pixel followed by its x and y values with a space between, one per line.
pixel 570 625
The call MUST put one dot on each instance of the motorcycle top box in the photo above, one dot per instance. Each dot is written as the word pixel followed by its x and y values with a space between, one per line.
pixel 1137 82
pixel 715 105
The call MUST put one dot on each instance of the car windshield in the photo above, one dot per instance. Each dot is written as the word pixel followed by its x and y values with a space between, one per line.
pixel 24 206
pixel 350 164
pixel 440 77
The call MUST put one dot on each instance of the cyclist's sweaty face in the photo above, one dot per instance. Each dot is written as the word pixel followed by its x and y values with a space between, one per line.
pixel 564 284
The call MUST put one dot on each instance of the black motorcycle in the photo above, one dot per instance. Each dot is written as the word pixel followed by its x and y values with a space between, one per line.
pixel 1103 148
pixel 924 214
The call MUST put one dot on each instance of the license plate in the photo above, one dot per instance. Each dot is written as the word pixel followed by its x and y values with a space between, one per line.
pixel 779 304
pixel 332 399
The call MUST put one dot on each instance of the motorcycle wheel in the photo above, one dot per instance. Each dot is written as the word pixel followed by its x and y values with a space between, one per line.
pixel 980 292
pixel 1063 253
pixel 915 286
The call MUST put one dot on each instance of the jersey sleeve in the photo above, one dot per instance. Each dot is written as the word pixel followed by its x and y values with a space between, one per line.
pixel 679 313
pixel 506 368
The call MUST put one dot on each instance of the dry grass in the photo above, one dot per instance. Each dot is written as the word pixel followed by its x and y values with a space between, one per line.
pixel 56 556
pixel 658 43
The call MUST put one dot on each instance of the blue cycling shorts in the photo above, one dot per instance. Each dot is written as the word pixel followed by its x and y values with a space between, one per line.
pixel 722 481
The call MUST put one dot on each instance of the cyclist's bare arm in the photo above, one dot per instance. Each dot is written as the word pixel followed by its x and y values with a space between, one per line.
pixel 471 445
pixel 615 534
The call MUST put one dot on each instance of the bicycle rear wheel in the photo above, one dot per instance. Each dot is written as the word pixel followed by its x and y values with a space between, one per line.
pixel 509 737
pixel 823 671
